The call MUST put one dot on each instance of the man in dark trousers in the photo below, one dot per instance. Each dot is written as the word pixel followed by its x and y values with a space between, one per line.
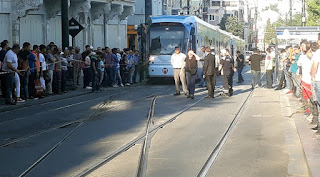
pixel 227 67
pixel 240 66
pixel 255 61
pixel 209 71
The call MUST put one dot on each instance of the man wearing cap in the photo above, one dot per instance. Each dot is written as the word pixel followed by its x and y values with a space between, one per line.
pixel 177 62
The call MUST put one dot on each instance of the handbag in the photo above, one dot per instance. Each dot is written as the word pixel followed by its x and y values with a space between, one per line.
pixel 39 88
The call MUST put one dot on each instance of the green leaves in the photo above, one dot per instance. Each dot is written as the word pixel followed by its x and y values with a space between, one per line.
pixel 232 25
pixel 313 9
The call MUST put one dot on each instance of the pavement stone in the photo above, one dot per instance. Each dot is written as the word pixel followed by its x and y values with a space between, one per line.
pixel 263 143
pixel 309 140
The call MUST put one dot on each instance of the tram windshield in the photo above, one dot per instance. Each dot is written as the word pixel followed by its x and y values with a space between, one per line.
pixel 165 37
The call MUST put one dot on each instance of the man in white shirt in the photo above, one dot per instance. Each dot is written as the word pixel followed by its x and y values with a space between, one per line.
pixel 177 62
pixel 315 75
pixel 10 64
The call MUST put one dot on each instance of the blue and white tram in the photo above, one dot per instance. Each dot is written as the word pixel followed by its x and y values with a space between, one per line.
pixel 164 33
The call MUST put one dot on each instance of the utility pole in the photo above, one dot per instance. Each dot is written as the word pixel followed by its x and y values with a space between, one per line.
pixel 303 13
pixel 65 23
pixel 148 9
pixel 188 7
pixel 290 11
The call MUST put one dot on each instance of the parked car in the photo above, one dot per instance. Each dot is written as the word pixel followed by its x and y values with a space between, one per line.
pixel 247 56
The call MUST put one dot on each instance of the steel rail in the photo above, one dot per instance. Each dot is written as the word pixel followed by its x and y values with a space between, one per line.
pixel 93 115
pixel 214 154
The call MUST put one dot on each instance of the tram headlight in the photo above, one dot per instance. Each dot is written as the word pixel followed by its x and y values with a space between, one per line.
pixel 152 58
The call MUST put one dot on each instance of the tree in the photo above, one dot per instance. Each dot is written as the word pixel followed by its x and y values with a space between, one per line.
pixel 234 26
pixel 273 7
pixel 313 9
pixel 270 33
pixel 223 22
pixel 297 20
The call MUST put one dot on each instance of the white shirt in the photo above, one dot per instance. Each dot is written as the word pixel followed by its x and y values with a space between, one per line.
pixel 316 58
pixel 12 58
pixel 177 60
pixel 43 61
pixel 268 62
pixel 306 65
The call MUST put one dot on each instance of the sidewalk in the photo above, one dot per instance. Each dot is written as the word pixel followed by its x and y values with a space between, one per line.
pixel 79 91
pixel 264 142
pixel 309 139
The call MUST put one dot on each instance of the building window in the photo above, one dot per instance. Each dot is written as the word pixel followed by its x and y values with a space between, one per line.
pixel 211 18
pixel 215 3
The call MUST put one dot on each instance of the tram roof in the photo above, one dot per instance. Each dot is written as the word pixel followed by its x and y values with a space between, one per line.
pixel 188 20
pixel 184 19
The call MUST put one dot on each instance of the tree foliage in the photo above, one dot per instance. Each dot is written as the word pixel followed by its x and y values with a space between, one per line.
pixel 223 22
pixel 273 7
pixel 313 9
pixel 234 26
pixel 270 33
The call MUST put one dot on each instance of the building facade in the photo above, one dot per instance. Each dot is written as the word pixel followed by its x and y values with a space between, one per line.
pixel 39 21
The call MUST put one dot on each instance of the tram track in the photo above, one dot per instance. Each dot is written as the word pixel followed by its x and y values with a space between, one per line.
pixel 217 148
pixel 94 114
pixel 145 139
pixel 78 124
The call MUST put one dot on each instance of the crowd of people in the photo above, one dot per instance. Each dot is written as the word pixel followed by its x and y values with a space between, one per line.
pixel 300 76
pixel 32 73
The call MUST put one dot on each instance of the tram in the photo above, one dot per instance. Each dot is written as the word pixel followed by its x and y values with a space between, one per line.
pixel 164 33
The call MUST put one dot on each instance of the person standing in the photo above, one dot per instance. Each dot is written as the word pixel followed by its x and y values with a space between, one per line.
pixel 131 66
pixel 95 62
pixel 177 62
pixel 209 71
pixel 315 75
pixel 227 67
pixel 10 64
pixel 240 66
pixel 191 65
pixel 24 67
pixel 50 60
pixel 64 70
pixel 200 67
pixel 117 62
pixel 269 68
pixel 33 59
pixel 136 67
pixel 57 72
pixel 255 61
pixel 109 62
pixel 3 52
pixel 77 65
pixel 123 67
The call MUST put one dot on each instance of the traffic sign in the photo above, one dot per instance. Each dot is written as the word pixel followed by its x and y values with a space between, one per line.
pixel 74 27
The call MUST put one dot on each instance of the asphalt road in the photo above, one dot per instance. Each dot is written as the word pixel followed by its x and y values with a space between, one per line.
pixel 109 120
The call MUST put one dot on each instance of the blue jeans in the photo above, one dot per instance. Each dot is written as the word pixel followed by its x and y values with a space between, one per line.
pixel 317 94
pixel 256 78
pixel 24 79
pixel 240 77
pixel 109 76
pixel 118 75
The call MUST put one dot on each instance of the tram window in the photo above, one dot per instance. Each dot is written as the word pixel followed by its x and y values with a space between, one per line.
pixel 163 39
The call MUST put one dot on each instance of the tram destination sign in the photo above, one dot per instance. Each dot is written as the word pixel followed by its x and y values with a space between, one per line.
pixel 74 27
